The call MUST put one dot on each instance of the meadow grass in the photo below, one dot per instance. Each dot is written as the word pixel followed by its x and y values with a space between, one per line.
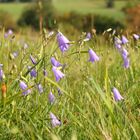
pixel 91 6
pixel 64 6
pixel 86 107
pixel 15 9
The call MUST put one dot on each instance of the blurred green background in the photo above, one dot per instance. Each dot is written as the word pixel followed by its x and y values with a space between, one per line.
pixel 24 13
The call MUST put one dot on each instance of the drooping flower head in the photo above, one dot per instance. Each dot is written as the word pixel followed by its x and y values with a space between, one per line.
pixel 63 42
pixel 5 35
pixel 1 65
pixel 1 73
pixel 55 62
pixel 33 72
pixel 117 43
pixel 57 73
pixel 54 121
pixel 124 53
pixel 125 58
pixel 93 56
pixel 117 40
pixel 15 54
pixel 88 37
pixel 40 88
pixel 8 33
pixel 117 95
pixel 136 37
pixel 32 59
pixel 51 97
pixel 124 40
pixel 25 46
pixel 126 63
pixel 24 87
pixel 50 34
pixel 118 46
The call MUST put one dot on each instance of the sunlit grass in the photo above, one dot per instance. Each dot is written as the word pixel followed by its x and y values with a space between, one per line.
pixel 86 107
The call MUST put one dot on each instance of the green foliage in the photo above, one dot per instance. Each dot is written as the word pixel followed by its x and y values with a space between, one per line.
pixel 87 22
pixel 130 4
pixel 63 6
pixel 29 18
pixel 102 23
pixel 31 15
pixel 110 3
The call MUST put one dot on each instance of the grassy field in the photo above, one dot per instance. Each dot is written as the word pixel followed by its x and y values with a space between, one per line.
pixel 86 107
pixel 89 6
pixel 81 6
pixel 15 9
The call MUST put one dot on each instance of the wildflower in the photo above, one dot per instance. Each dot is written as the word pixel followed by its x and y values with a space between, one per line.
pixel 51 98
pixel 3 90
pixel 126 62
pixel 1 73
pixel 1 65
pixel 58 74
pixel 40 88
pixel 117 43
pixel 125 58
pixel 50 34
pixel 118 46
pixel 33 59
pixel 9 32
pixel 5 35
pixel 33 72
pixel 25 46
pixel 124 53
pixel 136 37
pixel 24 87
pixel 54 121
pixel 88 37
pixel 55 62
pixel 117 95
pixel 93 56
pixel 15 54
pixel 124 40
pixel 63 42
pixel 117 40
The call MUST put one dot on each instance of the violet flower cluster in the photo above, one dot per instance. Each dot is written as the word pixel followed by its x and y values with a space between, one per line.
pixel 64 45
pixel 124 53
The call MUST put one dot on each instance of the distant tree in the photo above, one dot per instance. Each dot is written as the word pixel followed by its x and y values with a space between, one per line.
pixel 38 15
pixel 110 3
